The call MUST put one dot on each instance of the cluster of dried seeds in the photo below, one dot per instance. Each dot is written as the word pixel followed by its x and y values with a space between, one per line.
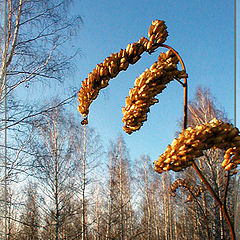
pixel 231 158
pixel 149 84
pixel 116 62
pixel 157 34
pixel 193 190
pixel 192 141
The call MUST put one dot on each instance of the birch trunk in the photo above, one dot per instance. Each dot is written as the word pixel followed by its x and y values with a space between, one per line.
pixel 165 212
pixel 84 182
pixel 56 184
pixel 121 190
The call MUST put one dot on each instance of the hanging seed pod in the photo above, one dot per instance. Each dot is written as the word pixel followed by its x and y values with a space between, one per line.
pixel 157 34
pixel 116 62
pixel 184 183
pixel 231 158
pixel 157 31
pixel 150 83
pixel 181 154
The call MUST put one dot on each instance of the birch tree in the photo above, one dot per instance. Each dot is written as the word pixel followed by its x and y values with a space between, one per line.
pixel 88 149
pixel 55 167
pixel 36 34
pixel 119 210
pixel 32 42
pixel 30 219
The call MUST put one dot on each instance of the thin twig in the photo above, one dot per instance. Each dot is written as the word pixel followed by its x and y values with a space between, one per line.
pixel 65 101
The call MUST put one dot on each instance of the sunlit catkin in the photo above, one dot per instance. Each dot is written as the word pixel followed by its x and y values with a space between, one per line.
pixel 149 84
pixel 192 141
pixel 116 62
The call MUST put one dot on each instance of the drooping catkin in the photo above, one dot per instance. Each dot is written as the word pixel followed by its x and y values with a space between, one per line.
pixel 231 158
pixel 185 183
pixel 149 84
pixel 192 141
pixel 116 62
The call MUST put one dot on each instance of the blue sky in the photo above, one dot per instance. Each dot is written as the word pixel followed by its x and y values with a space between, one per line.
pixel 202 33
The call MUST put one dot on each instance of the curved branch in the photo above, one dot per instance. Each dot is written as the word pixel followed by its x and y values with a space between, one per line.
pixel 184 84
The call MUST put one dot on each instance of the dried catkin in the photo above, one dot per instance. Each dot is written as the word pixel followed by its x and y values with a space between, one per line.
pixel 192 141
pixel 116 62
pixel 184 183
pixel 149 84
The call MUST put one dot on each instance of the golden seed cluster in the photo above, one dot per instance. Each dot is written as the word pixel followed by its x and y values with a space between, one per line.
pixel 116 62
pixel 157 34
pixel 150 83
pixel 231 158
pixel 193 190
pixel 192 141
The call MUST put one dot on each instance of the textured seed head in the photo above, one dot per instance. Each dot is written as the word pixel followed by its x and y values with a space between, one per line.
pixel 150 83
pixel 182 153
pixel 157 32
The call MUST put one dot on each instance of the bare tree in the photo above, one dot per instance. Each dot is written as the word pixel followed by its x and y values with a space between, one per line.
pixel 36 33
pixel 88 149
pixel 55 165
pixel 30 219
pixel 32 51
pixel 156 214
pixel 145 184
pixel 118 205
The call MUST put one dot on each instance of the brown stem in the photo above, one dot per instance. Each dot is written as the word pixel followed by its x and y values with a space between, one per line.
pixel 184 84
pixel 185 106
pixel 220 204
